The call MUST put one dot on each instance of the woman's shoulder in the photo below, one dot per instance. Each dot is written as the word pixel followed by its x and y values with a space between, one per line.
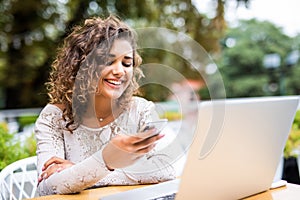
pixel 140 99
pixel 141 102
pixel 49 122
pixel 53 108
pixel 51 112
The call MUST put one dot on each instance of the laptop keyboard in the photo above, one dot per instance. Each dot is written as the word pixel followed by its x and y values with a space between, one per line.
pixel 166 197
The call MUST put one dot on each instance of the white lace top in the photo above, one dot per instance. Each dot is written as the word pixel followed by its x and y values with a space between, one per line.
pixel 84 147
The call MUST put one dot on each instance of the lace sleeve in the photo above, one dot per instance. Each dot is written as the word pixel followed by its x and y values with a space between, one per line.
pixel 154 167
pixel 76 178
pixel 49 135
pixel 50 142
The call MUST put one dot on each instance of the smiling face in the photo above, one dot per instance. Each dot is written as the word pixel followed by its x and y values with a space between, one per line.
pixel 118 72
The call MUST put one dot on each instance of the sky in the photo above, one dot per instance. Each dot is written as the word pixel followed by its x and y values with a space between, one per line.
pixel 283 13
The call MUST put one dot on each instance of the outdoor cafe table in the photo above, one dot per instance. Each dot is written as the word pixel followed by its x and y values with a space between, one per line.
pixel 288 192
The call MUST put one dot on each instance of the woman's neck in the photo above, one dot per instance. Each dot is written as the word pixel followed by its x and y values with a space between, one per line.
pixel 104 107
pixel 106 110
pixel 100 112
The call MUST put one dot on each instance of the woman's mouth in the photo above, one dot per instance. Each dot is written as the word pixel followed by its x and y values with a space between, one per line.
pixel 114 82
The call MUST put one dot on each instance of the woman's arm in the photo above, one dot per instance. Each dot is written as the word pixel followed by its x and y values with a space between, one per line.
pixel 151 168
pixel 75 178
pixel 50 143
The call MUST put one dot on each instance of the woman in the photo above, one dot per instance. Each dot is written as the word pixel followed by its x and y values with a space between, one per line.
pixel 89 133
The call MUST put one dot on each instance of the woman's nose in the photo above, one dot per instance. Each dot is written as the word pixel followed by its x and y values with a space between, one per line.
pixel 118 69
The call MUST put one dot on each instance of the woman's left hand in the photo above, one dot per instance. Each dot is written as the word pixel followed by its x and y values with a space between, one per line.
pixel 54 165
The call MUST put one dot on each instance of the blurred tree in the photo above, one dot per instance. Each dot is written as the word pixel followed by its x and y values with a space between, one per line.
pixel 28 34
pixel 241 66
pixel 31 30
pixel 12 148
pixel 293 74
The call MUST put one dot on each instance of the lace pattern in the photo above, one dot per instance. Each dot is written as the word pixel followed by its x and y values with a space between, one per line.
pixel 84 147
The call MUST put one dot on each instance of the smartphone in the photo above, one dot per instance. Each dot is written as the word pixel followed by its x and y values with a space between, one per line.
pixel 158 125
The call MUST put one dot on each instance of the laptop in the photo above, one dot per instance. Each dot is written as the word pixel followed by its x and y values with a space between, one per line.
pixel 236 149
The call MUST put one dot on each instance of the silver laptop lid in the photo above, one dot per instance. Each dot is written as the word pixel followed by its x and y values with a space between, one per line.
pixel 237 146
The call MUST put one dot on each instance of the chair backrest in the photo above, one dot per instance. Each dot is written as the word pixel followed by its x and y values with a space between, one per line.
pixel 19 179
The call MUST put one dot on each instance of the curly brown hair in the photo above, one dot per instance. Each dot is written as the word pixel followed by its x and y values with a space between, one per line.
pixel 84 50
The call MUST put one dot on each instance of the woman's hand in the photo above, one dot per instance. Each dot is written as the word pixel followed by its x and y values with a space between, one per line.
pixel 124 150
pixel 52 166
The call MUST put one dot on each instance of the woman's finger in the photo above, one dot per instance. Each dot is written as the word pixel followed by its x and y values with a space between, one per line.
pixel 145 135
pixel 143 151
pixel 133 145
pixel 52 160
pixel 49 171
pixel 54 165
pixel 144 144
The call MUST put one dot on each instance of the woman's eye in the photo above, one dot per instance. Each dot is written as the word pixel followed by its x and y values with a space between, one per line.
pixel 127 64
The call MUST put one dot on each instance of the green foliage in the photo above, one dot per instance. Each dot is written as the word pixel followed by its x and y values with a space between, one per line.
pixel 292 82
pixel 297 120
pixel 26 120
pixel 247 86
pixel 30 145
pixel 241 64
pixel 31 31
pixel 292 147
pixel 172 115
pixel 12 150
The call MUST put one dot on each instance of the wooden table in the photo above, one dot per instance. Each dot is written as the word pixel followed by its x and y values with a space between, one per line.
pixel 288 192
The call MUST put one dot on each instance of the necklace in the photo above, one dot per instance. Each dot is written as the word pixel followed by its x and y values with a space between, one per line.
pixel 100 119
pixel 113 113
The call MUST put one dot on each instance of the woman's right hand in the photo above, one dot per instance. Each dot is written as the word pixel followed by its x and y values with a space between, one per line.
pixel 54 165
pixel 124 150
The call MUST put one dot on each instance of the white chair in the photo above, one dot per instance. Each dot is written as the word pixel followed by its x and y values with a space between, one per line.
pixel 19 180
